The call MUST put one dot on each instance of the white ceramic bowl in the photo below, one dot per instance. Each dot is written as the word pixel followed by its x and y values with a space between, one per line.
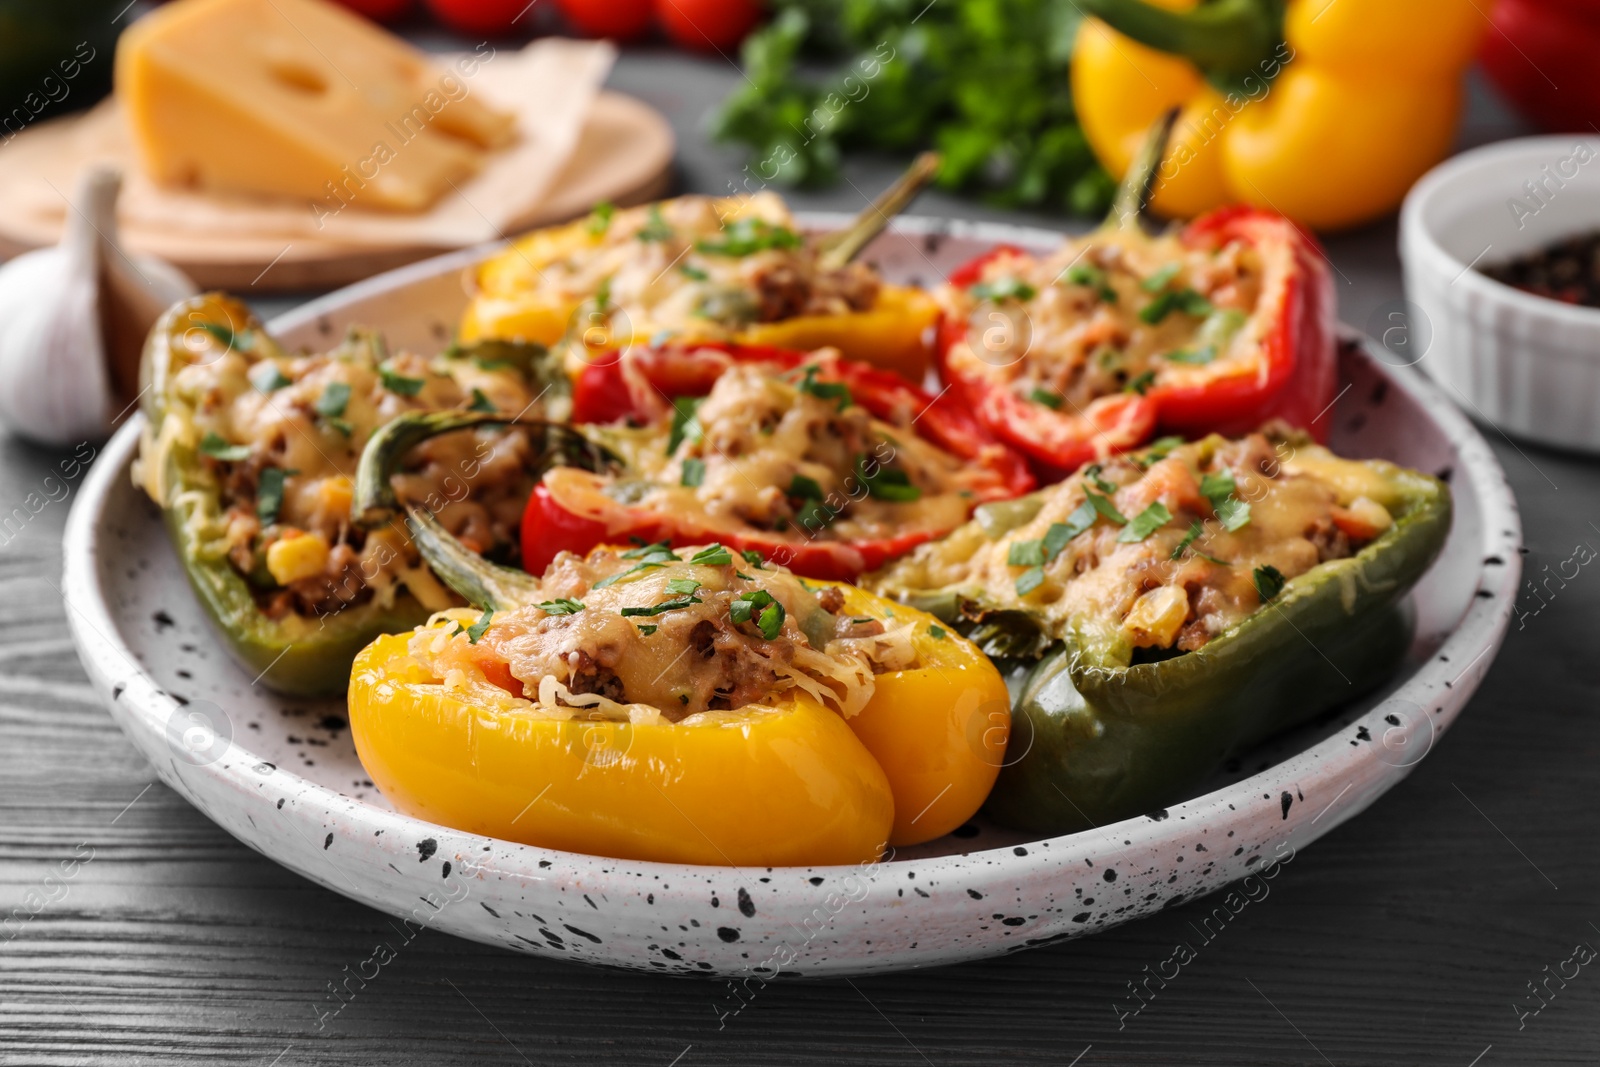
pixel 281 774
pixel 1526 364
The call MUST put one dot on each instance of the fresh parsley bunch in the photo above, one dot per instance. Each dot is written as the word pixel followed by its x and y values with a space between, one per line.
pixel 985 82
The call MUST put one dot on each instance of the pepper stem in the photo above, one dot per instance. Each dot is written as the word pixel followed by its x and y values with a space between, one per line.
pixel 839 248
pixel 1229 40
pixel 1137 184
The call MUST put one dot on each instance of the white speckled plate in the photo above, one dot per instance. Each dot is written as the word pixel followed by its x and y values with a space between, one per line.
pixel 282 776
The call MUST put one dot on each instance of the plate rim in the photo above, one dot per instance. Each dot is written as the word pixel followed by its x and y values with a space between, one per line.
pixel 142 709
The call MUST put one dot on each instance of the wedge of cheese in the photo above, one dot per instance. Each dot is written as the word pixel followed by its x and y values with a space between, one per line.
pixel 298 98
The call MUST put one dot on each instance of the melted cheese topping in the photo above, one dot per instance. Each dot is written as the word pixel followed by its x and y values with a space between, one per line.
pixel 648 634
pixel 259 418
pixel 695 265
pixel 1233 510
pixel 1075 326
pixel 766 453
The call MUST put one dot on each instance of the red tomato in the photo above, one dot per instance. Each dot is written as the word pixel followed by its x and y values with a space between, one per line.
pixel 491 18
pixel 621 20
pixel 708 25
pixel 378 10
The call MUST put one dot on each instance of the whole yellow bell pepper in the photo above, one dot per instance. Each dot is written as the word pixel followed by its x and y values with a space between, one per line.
pixel 510 301
pixel 1322 110
pixel 791 783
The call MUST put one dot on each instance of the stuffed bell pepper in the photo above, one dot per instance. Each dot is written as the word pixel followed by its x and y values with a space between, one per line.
pixel 827 466
pixel 699 268
pixel 251 452
pixel 701 706
pixel 1174 606
pixel 1219 327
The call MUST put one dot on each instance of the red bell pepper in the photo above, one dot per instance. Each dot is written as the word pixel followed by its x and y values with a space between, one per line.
pixel 1541 55
pixel 1292 379
pixel 568 512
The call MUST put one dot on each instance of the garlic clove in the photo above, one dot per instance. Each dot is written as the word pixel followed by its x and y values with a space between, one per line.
pixel 73 319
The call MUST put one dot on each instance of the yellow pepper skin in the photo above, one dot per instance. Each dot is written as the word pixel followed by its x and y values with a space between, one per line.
pixel 510 303
pixel 1358 99
pixel 793 784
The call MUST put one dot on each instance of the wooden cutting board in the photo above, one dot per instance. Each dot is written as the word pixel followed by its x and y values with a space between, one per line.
pixel 624 155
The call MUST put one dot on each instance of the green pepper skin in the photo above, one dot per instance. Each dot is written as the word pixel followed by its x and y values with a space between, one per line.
pixel 295 655
pixel 1093 742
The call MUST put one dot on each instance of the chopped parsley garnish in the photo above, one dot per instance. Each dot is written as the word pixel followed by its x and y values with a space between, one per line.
pixel 692 272
pixel 494 364
pixel 342 425
pixel 1025 554
pixel 267 378
pixel 1159 449
pixel 1195 357
pixel 1106 508
pixel 647 628
pixel 713 555
pixel 656 229
pixel 1269 581
pixel 269 493
pixel 1161 278
pixel 651 549
pixel 761 606
pixel 1003 289
pixel 663 607
pixel 753 557
pixel 804 488
pixel 747 236
pixel 242 340
pixel 770 620
pixel 600 217
pixel 694 473
pixel 936 632
pixel 1092 277
pixel 682 586
pixel 561 606
pixel 1029 580
pixel 1218 488
pixel 1092 473
pixel 1047 398
pixel 213 445
pixel 650 557
pixel 887 483
pixel 481 402
pixel 1141 384
pixel 1186 300
pixel 814 515
pixel 334 399
pixel 602 294
pixel 1196 528
pixel 1061 534
pixel 685 427
pixel 399 383
pixel 1145 523
pixel 479 628
pixel 823 390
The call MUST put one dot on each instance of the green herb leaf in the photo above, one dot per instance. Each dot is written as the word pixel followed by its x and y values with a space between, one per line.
pixel 682 586
pixel 1145 523
pixel 398 383
pixel 1029 580
pixel 936 632
pixel 481 403
pixel 1160 448
pixel 888 483
pixel 1192 303
pixel 602 294
pixel 1025 554
pixel 1061 534
pixel 744 606
pixel 267 378
pixel 753 557
pixel 650 557
pixel 692 272
pixel 814 516
pixel 1002 289
pixel 694 473
pixel 647 628
pixel 1161 278
pixel 1269 582
pixel 651 549
pixel 1047 398
pixel 1218 488
pixel 342 425
pixel 804 488
pixel 1233 513
pixel 600 218
pixel 661 608
pixel 685 427
pixel 770 620
pixel 656 229
pixel 713 555
pixel 823 390
pixel 1141 384
pixel 1194 357
pixel 213 445
pixel 269 493
pixel 1092 473
pixel 334 399
pixel 1092 277
pixel 241 341
pixel 479 628
pixel 1196 528
pixel 1106 508
pixel 747 236
pixel 561 606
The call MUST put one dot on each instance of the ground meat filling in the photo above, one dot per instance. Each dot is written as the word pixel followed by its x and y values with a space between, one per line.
pixel 652 633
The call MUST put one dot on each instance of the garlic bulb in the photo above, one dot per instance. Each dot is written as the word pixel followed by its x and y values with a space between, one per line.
pixel 73 319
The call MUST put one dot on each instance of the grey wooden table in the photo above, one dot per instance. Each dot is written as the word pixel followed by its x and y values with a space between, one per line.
pixel 1409 935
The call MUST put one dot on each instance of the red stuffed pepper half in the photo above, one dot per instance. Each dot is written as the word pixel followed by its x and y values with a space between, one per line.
pixel 826 466
pixel 1218 327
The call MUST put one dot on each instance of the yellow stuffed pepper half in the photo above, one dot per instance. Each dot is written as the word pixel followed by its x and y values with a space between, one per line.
pixel 692 706
pixel 697 268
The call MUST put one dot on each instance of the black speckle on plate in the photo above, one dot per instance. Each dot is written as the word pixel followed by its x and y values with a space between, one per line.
pixel 728 934
pixel 426 848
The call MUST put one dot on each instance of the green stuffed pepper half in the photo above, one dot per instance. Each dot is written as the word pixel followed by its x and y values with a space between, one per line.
pixel 1169 608
pixel 251 452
